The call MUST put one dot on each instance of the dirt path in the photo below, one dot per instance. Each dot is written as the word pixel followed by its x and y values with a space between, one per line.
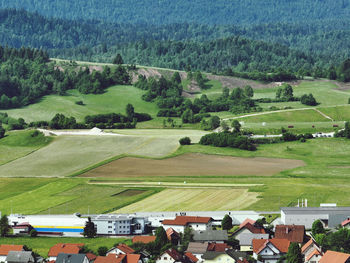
pixel 92 132
pixel 324 115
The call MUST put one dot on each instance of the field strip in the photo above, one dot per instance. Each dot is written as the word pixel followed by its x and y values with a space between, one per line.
pixel 324 115
pixel 173 185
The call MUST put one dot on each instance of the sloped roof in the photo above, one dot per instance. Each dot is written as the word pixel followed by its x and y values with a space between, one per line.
pixel 221 247
pixel 247 238
pixel 70 258
pixel 248 220
pixel 65 248
pixel 5 249
pixel 126 249
pixel 174 254
pixel 281 244
pixel 210 255
pixel 110 258
pixel 197 247
pixel 315 252
pixel 294 233
pixel 184 220
pixel 239 256
pixel 91 256
pixel 20 256
pixel 22 225
pixel 170 232
pixel 132 258
pixel 191 257
pixel 253 229
pixel 143 239
pixel 345 222
pixel 334 257
pixel 210 235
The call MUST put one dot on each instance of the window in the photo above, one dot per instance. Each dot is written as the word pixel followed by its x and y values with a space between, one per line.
pixel 109 232
pixel 109 222
pixel 109 226
pixel 138 226
pixel 165 258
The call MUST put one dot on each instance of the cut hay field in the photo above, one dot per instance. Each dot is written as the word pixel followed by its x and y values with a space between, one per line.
pixel 193 165
pixel 42 245
pixel 194 200
pixel 114 99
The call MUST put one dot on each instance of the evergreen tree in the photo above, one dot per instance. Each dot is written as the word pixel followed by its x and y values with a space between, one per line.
pixel 4 226
pixel 294 253
pixel 161 237
pixel 118 60
pixel 89 229
pixel 130 112
pixel 226 223
pixel 317 228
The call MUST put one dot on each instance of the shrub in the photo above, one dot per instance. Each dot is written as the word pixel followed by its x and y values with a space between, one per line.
pixel 185 141
pixel 35 133
pixel 80 102
pixel 33 233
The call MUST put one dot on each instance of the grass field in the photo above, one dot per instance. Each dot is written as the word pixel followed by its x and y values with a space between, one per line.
pixel 194 200
pixel 114 99
pixel 42 245
pixel 19 144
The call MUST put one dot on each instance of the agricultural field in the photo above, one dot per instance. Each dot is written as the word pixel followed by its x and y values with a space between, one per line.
pixel 42 245
pixel 194 200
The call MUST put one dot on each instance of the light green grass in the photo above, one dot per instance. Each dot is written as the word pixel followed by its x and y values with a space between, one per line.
pixel 20 143
pixel 42 245
pixel 114 99
pixel 339 113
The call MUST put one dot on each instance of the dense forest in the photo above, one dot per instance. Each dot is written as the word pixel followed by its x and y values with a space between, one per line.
pixel 195 11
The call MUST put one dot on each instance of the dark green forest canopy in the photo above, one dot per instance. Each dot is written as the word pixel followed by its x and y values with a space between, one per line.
pixel 195 11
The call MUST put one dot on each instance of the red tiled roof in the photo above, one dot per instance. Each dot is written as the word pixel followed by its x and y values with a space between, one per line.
pixel 126 249
pixel 334 257
pixel 170 231
pixel 143 239
pixel 307 244
pixel 5 249
pixel 281 244
pixel 111 258
pixel 294 233
pixel 221 247
pixel 315 252
pixel 253 229
pixel 133 258
pixel 174 254
pixel 91 256
pixel 65 248
pixel 345 222
pixel 22 225
pixel 248 220
pixel 184 220
pixel 191 257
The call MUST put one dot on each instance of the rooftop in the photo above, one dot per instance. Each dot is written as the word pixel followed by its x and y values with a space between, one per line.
pixel 143 239
pixel 294 233
pixel 65 248
pixel 184 220
pixel 5 249
pixel 281 244
pixel 210 235
pixel 334 257
pixel 20 256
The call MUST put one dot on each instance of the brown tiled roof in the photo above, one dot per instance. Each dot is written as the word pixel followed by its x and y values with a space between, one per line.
pixel 315 252
pixel 91 256
pixel 307 244
pixel 197 247
pixel 248 220
pixel 132 258
pixel 143 239
pixel 221 247
pixel 170 231
pixel 253 229
pixel 174 254
pixel 345 222
pixel 334 257
pixel 65 248
pixel 294 233
pixel 281 244
pixel 5 249
pixel 111 258
pixel 191 257
pixel 126 249
pixel 184 220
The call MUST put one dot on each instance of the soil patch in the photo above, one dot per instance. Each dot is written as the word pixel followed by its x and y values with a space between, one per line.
pixel 129 193
pixel 193 165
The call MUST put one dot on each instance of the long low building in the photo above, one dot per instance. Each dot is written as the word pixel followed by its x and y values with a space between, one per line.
pixel 55 225
pixel 331 216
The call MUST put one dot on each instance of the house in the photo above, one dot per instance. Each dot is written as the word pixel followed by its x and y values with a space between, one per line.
pixel 346 223
pixel 64 248
pixel 218 247
pixel 246 221
pixel 294 233
pixel 311 252
pixel 197 223
pixel 217 257
pixel 331 216
pixel 239 256
pixel 111 258
pixel 248 228
pixel 132 258
pixel 22 229
pixel 335 257
pixel 143 239
pixel 121 249
pixel 270 250
pixel 170 256
pixel 5 249
pixel 197 249
pixel 72 258
pixel 218 236
pixel 20 257
pixel 112 225
pixel 173 236
pixel 246 241
pixel 192 258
